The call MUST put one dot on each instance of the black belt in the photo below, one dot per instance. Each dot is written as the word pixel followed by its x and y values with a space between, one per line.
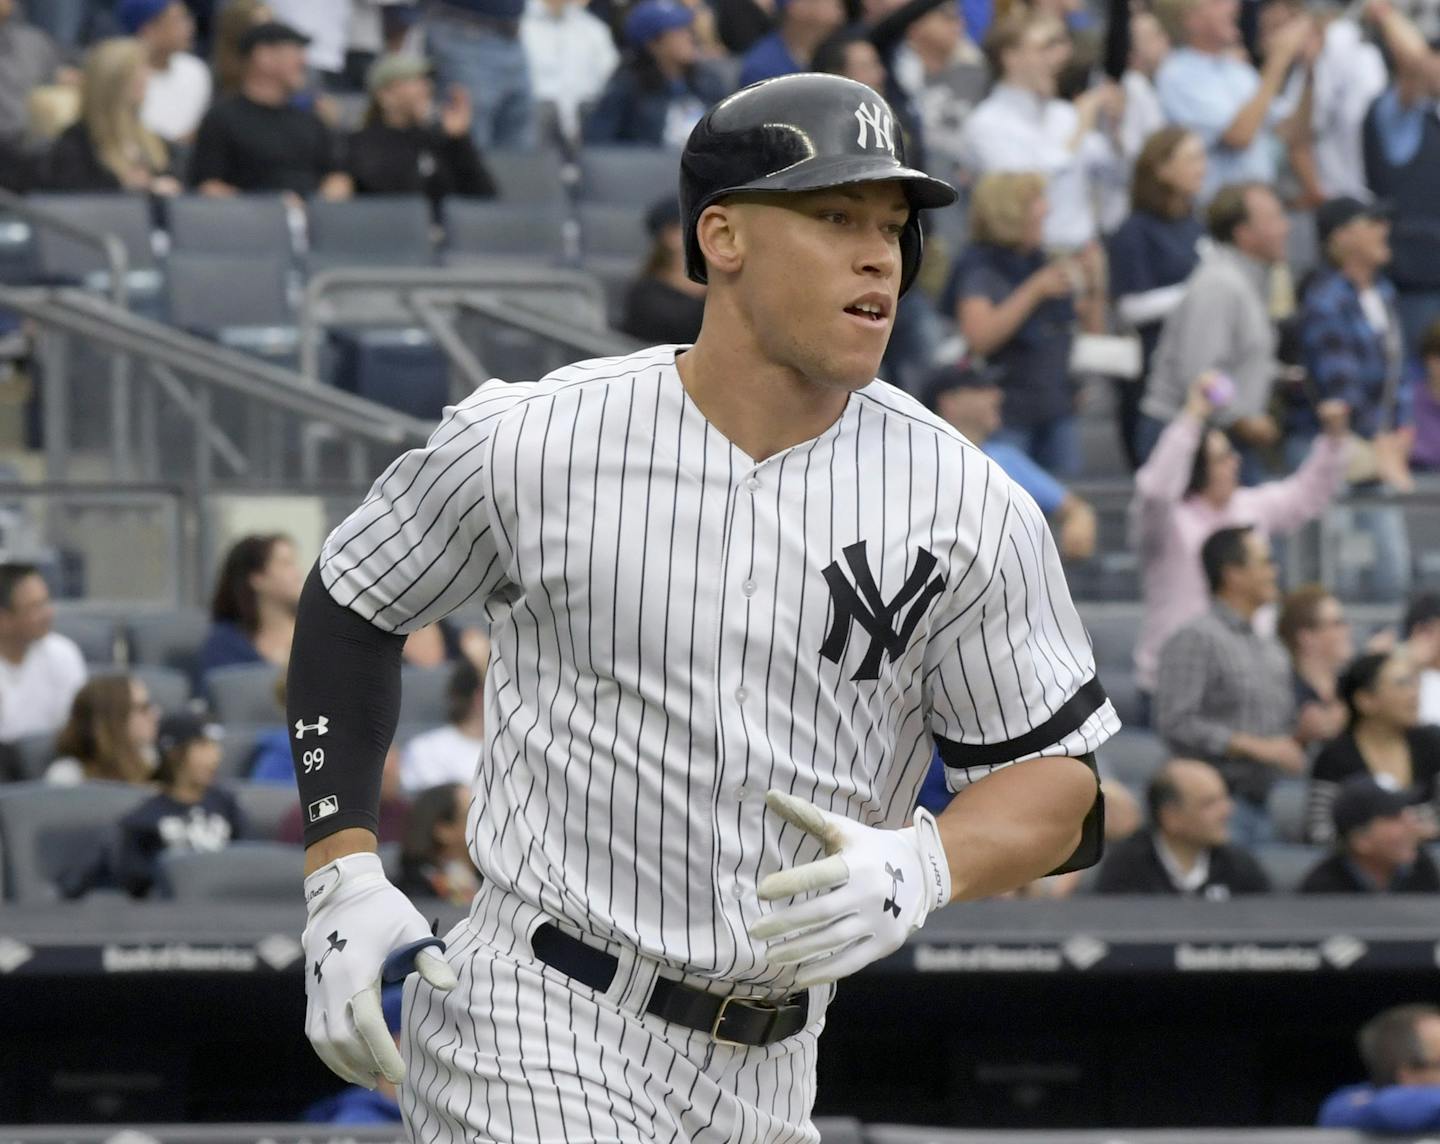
pixel 731 1020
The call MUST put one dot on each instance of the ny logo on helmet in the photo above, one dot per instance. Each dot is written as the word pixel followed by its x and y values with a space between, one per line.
pixel 874 119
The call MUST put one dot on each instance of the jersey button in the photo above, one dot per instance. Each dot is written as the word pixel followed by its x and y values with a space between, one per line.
pixel 752 484
pixel 741 793
pixel 741 694
pixel 748 587
pixel 737 890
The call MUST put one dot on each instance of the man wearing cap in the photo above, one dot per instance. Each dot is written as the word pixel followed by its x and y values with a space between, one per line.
pixel 180 84
pixel 1378 846
pixel 657 95
pixel 802 26
pixel 968 396
pixel 571 53
pixel 404 148
pixel 663 304
pixel 257 140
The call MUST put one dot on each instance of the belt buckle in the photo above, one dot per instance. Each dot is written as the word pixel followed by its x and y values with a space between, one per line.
pixel 758 1003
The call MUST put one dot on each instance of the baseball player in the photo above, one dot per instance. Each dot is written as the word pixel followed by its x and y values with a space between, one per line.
pixel 737 593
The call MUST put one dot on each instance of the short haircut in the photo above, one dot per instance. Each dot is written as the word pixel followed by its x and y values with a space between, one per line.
pixel 11 573
pixel 1224 549
pixel 830 57
pixel 1000 204
pixel 1390 1041
pixel 1162 791
pixel 1424 608
pixel 1300 610
pixel 1430 340
pixel 1148 191
pixel 1230 210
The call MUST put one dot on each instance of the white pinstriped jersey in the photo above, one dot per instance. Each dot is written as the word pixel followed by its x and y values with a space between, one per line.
pixel 677 628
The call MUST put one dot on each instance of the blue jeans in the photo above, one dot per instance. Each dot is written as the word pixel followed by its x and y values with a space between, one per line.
pixel 1250 825
pixel 1053 445
pixel 493 69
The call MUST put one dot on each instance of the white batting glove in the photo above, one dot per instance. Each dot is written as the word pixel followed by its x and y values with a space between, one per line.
pixel 879 885
pixel 360 929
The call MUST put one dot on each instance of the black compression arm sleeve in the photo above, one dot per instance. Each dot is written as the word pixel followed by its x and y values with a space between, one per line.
pixel 342 702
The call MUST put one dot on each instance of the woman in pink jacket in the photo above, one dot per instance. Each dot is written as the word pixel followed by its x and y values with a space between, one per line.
pixel 1189 487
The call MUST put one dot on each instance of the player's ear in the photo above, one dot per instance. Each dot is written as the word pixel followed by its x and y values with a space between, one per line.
pixel 720 235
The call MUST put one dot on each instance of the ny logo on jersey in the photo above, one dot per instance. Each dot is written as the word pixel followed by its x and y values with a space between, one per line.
pixel 877 616
pixel 337 943
pixel 896 877
pixel 875 120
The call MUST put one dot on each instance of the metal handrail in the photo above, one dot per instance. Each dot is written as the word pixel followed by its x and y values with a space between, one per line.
pixel 593 343
pixel 117 258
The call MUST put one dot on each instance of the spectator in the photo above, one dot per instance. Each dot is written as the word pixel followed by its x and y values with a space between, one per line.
pixel 945 75
pixel 180 85
pixel 355 1104
pixel 40 670
pixel 1378 847
pixel 190 815
pixel 1314 630
pixel 1187 850
pixel 1190 487
pixel 393 814
pixel 253 611
pixel 662 88
pixel 663 306
pixel 968 398
pixel 326 24
pixel 1143 116
pixel 449 754
pixel 802 27
pixel 271 760
pixel 444 642
pixel 1384 739
pixel 571 54
pixel 1420 631
pixel 109 149
pixel 1425 404
pixel 110 735
pixel 1223 323
pixel 258 140
pixel 28 59
pixel 227 62
pixel 1153 253
pixel 850 54
pixel 403 150
pixel 1207 87
pixel 475 44
pixel 1223 691
pixel 740 23
pixel 434 859
pixel 1023 126
pixel 1401 1052
pixel 1015 308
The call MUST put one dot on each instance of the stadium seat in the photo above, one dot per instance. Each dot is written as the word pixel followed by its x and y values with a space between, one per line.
pixel 238 747
pixel 1287 809
pixel 169 689
pixel 45 830
pixel 1123 691
pixel 373 230
pixel 249 225
pixel 244 693
pixel 636 177
pixel 1287 865
pixel 168 639
pixel 1112 636
pixel 1132 757
pixel 532 177
pixel 609 231
pixel 97 636
pixel 231 297
pixel 36 752
pixel 475 228
pixel 127 217
pixel 422 696
pixel 264 806
pixel 242 872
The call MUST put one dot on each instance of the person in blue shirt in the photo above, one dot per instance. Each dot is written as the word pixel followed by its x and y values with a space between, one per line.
pixel 253 611
pixel 1401 1051
pixel 356 1105
pixel 968 396
pixel 803 26
pixel 660 91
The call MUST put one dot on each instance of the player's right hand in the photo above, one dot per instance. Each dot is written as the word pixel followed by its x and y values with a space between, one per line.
pixel 360 929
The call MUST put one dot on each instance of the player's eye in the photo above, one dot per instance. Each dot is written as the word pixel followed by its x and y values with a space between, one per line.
pixel 839 218
pixel 895 229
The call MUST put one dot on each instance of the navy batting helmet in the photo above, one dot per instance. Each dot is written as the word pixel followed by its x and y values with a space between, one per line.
pixel 801 133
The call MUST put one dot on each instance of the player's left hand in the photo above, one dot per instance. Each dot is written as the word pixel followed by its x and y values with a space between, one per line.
pixel 878 886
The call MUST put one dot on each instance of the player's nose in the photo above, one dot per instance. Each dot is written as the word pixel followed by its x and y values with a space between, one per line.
pixel 878 255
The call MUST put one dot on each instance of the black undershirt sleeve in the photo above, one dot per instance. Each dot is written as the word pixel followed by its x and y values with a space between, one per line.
pixel 1092 832
pixel 342 705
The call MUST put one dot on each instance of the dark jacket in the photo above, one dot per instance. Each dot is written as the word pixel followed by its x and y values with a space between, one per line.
pixel 416 161
pixel 1134 867
pixel 1335 875
pixel 636 102
pixel 73 165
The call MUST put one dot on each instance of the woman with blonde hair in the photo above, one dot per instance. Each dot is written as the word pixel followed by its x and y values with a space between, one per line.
pixel 110 736
pixel 1015 308
pixel 109 149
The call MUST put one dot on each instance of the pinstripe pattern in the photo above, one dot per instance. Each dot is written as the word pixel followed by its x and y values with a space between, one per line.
pixel 658 604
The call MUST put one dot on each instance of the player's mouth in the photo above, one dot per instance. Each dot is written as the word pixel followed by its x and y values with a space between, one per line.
pixel 871 310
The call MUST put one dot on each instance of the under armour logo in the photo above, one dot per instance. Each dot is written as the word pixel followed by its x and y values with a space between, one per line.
pixel 874 614
pixel 896 877
pixel 321 726
pixel 873 118
pixel 337 943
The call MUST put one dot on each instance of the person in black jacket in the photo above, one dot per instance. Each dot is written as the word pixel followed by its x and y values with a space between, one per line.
pixel 189 814
pixel 1378 850
pixel 404 148
pixel 663 306
pixel 1187 849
